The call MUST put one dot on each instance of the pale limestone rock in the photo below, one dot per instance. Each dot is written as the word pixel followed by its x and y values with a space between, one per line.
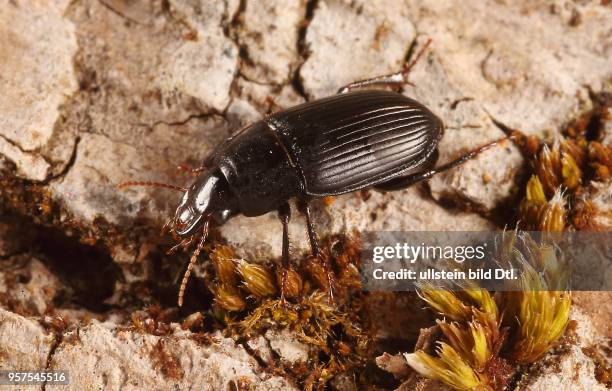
pixel 24 343
pixel 606 138
pixel 37 48
pixel 268 32
pixel 102 356
pixel 487 180
pixel 35 290
pixel 569 371
pixel 198 70
pixel 349 41
pixel 261 347
pixel 28 165
pixel 203 67
pixel 289 349
pixel 525 62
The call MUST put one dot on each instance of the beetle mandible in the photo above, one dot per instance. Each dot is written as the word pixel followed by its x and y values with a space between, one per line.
pixel 357 139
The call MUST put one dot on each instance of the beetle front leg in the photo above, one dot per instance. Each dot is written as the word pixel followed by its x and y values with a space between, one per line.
pixel 396 79
pixel 316 249
pixel 284 214
pixel 191 170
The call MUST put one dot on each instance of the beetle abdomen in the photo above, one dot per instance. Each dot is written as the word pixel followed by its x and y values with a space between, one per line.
pixel 356 140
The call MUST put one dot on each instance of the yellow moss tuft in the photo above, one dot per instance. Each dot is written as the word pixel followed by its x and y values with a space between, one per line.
pixel 447 304
pixel 257 279
pixel 223 259
pixel 294 284
pixel 542 318
pixel 489 333
pixel 537 213
pixel 471 343
pixel 229 298
pixel 450 368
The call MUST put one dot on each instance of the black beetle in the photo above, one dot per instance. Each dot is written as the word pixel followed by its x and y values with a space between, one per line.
pixel 336 145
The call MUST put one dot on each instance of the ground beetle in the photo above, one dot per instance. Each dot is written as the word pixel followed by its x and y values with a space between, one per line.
pixel 354 140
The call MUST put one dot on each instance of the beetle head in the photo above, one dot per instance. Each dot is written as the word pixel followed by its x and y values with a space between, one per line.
pixel 208 198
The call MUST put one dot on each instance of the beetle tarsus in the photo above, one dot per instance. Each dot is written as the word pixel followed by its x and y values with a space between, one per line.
pixel 284 213
pixel 397 79
pixel 316 249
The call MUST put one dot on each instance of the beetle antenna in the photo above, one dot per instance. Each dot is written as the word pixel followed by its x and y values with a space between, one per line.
pixel 192 262
pixel 149 183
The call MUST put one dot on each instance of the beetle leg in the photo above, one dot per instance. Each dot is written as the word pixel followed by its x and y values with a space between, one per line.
pixel 391 80
pixel 284 214
pixel 409 180
pixel 191 170
pixel 272 105
pixel 316 250
pixel 396 79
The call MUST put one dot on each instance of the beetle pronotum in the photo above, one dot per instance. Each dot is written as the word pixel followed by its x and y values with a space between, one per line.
pixel 356 139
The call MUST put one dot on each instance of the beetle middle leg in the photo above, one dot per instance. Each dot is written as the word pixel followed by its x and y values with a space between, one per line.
pixel 396 79
pixel 304 207
pixel 284 214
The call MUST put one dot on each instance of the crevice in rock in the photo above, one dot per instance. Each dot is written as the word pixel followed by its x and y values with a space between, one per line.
pixel 189 118
pixel 303 49
pixel 13 143
pixel 456 102
pixel 88 271
pixel 254 354
pixel 68 165
pixel 119 13
pixel 231 24
pixel 20 148
pixel 230 30
pixel 58 336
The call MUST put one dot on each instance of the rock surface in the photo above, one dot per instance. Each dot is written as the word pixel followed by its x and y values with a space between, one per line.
pixel 104 356
pixel 38 45
pixel 164 85
pixel 95 93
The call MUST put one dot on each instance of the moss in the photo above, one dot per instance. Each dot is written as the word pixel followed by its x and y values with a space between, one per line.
pixel 248 301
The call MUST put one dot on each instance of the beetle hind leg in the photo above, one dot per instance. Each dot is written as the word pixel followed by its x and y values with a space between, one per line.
pixel 316 249
pixel 403 182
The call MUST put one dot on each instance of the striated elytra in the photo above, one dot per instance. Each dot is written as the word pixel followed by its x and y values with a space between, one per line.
pixel 330 146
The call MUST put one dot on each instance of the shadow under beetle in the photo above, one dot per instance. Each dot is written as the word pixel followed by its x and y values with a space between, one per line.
pixel 354 140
